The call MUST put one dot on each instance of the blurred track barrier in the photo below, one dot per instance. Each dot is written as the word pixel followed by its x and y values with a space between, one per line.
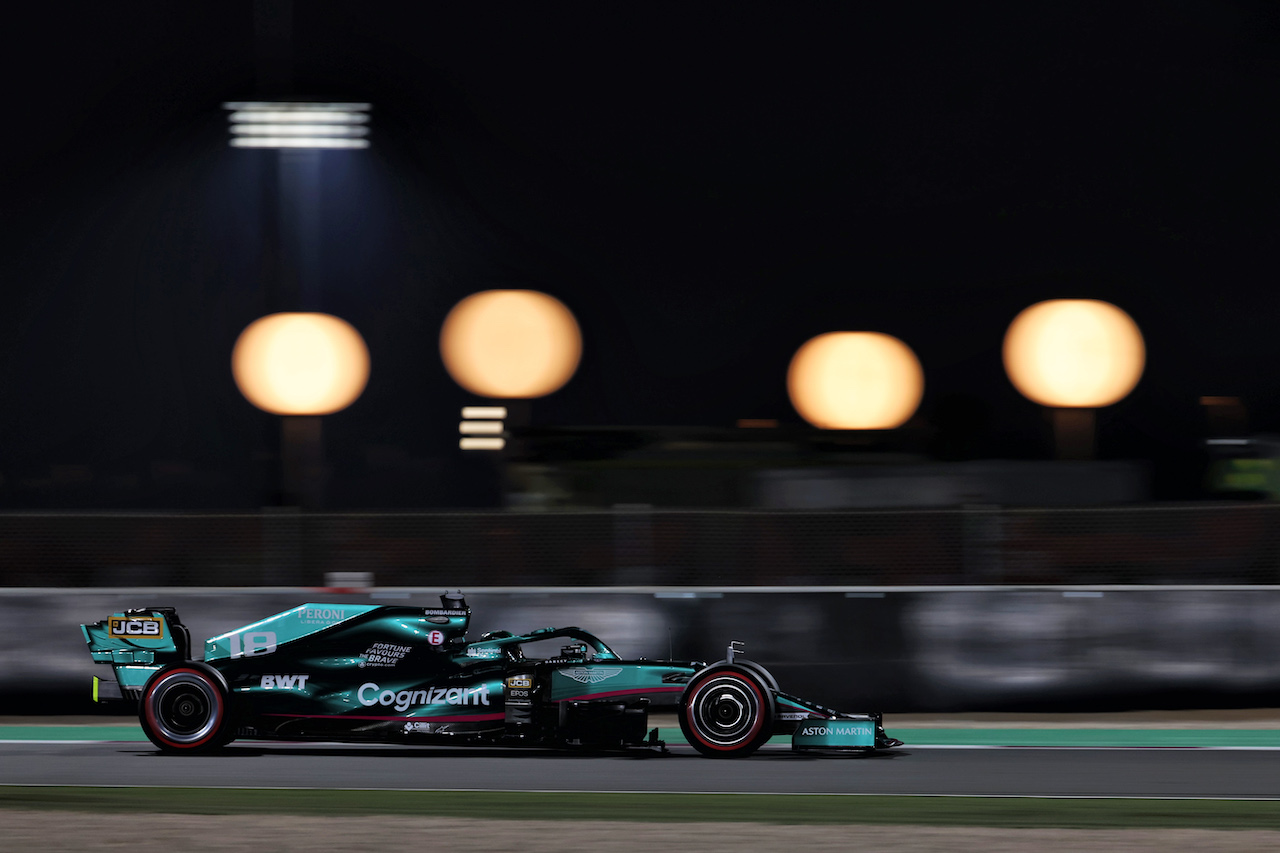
pixel 899 649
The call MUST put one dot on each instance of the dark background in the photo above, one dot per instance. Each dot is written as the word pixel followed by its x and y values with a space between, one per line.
pixel 705 185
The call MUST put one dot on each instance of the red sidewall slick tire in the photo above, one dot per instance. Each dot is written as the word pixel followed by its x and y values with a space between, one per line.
pixel 727 712
pixel 184 709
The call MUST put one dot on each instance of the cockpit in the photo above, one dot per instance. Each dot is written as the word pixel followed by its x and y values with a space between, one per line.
pixel 545 644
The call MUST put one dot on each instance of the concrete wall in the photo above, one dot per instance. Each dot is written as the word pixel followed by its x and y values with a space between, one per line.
pixel 893 649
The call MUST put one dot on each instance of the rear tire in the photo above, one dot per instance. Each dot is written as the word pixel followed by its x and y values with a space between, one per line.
pixel 727 712
pixel 184 709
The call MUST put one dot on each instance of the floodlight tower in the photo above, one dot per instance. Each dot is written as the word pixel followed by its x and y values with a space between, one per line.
pixel 1074 356
pixel 508 345
pixel 298 131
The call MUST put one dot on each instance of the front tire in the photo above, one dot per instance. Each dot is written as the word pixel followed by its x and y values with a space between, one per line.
pixel 727 712
pixel 184 709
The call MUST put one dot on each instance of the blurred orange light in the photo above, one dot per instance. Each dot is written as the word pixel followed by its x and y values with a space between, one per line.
pixel 300 364
pixel 510 344
pixel 1074 353
pixel 855 380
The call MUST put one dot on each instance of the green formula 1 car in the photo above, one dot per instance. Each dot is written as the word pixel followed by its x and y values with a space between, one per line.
pixel 399 674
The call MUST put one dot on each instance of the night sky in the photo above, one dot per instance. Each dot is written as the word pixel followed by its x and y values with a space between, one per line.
pixel 705 185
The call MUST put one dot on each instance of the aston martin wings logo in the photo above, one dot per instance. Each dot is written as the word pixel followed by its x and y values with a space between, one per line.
pixel 594 675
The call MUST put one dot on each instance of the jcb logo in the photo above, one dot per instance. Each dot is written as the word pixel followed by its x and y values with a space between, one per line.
pixel 138 627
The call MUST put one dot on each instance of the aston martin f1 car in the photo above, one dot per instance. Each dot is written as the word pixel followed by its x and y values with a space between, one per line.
pixel 401 674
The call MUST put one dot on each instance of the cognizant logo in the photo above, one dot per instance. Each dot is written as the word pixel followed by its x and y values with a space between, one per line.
pixel 369 695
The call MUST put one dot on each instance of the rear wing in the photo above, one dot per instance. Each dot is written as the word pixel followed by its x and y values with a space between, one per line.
pixel 135 643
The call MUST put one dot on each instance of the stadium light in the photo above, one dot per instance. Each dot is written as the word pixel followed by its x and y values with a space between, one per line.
pixel 482 428
pixel 1074 353
pixel 471 443
pixel 855 380
pixel 510 344
pixel 300 364
pixel 298 124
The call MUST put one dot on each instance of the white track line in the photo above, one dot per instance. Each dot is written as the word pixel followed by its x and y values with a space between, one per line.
pixel 678 793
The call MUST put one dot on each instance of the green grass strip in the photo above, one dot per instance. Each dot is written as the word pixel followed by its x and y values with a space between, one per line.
pixel 664 808
pixel 109 733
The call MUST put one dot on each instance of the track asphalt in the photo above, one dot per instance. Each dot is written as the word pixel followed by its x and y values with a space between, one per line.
pixel 1244 728
pixel 1090 737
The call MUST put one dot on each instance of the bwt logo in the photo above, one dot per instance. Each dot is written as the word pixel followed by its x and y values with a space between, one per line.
pixel 284 682
pixel 147 627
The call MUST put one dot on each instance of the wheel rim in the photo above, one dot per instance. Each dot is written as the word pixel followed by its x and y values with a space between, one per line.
pixel 184 708
pixel 725 711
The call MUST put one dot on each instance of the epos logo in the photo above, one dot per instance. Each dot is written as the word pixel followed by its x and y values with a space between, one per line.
pixel 136 627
